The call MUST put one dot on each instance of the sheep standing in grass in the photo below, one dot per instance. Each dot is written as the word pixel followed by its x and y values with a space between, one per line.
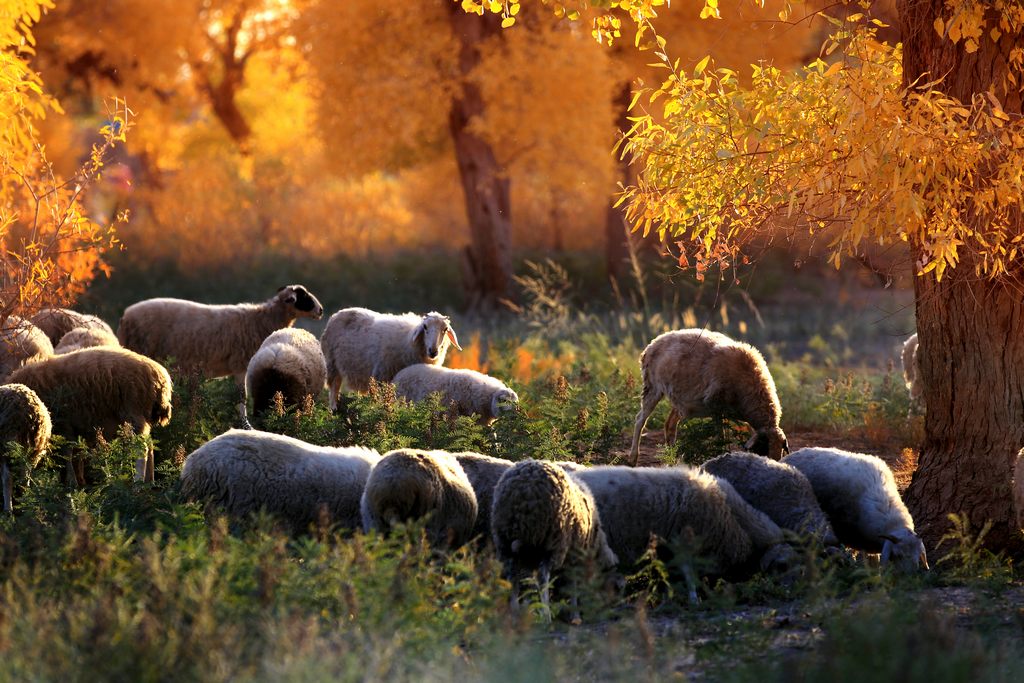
pixel 288 361
pixel 408 485
pixel 98 390
pixel 541 518
pixel 360 344
pixel 56 322
pixel 707 374
pixel 21 343
pixel 778 490
pixel 858 493
pixel 912 371
pixel 85 338
pixel 245 471
pixel 470 392
pixel 24 420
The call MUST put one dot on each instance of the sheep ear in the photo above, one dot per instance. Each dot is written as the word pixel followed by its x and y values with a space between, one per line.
pixel 886 551
pixel 452 338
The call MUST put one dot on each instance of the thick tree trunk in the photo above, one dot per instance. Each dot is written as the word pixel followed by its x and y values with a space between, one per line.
pixel 488 265
pixel 971 334
pixel 616 231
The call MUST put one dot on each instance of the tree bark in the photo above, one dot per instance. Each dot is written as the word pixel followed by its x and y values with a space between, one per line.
pixel 971 333
pixel 616 230
pixel 485 186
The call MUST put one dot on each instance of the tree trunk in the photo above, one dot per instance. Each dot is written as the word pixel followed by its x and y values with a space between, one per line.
pixel 616 230
pixel 971 334
pixel 484 185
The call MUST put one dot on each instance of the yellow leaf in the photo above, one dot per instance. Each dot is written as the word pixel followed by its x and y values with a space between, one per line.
pixel 513 9
pixel 833 69
pixel 507 21
pixel 699 69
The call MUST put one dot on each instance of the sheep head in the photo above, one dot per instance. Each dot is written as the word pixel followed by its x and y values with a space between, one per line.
pixel 433 335
pixel 300 300
pixel 504 401
pixel 770 442
pixel 905 550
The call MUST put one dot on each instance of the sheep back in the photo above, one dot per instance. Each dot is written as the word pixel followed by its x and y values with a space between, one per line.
pixel 288 361
pixel 483 473
pixel 409 484
pixel 778 490
pixel 244 471
pixel 469 391
pixel 100 389
pixel 21 343
pixel 85 338
pixel 57 322
pixel 24 420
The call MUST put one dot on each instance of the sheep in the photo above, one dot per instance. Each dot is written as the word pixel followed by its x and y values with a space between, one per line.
pixel 360 344
pixel 24 420
pixel 98 390
pixel 483 473
pixel 912 372
pixel 56 322
pixel 858 493
pixel 542 517
pixel 85 338
pixel 214 340
pixel 21 343
pixel 470 392
pixel 244 471
pixel 1018 489
pixel 409 484
pixel 288 361
pixel 673 503
pixel 707 374
pixel 778 490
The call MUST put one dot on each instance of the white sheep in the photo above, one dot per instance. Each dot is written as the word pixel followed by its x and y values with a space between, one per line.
pixel 408 485
pixel 858 493
pixel 1018 490
pixel 98 390
pixel 21 343
pixel 707 374
pixel 680 503
pixel 214 340
pixel 85 338
pixel 541 518
pixel 778 490
pixel 912 371
pixel 360 344
pixel 470 392
pixel 288 361
pixel 244 471
pixel 56 322
pixel 24 420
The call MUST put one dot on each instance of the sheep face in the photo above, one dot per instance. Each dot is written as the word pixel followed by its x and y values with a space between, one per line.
pixel 905 550
pixel 771 443
pixel 434 333
pixel 301 301
pixel 503 402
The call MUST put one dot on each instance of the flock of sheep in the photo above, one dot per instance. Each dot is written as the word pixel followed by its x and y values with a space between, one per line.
pixel 69 373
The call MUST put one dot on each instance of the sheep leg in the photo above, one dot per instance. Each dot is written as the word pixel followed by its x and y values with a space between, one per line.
pixel 691 583
pixel 648 401
pixel 544 579
pixel 5 481
pixel 140 468
pixel 671 426
pixel 333 391
pixel 243 413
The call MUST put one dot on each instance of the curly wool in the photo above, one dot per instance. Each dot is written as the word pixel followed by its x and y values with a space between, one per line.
pixel 214 340
pixel 288 361
pixel 483 473
pixel 470 392
pixel 24 420
pixel 57 322
pixel 21 343
pixel 244 471
pixel 408 485
pixel 85 338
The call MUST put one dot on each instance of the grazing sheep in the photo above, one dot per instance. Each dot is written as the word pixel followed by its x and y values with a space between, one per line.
pixel 483 473
pixel 56 322
pixel 1018 489
pixel 24 420
pixel 471 392
pixel 214 340
pixel 21 343
pixel 409 484
pixel 289 361
pixel 244 471
pixel 706 374
pixel 778 490
pixel 912 371
pixel 541 518
pixel 100 389
pixel 859 495
pixel 85 338
pixel 360 344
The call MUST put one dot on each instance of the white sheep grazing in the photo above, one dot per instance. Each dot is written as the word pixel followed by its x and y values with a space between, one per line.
pixel 912 371
pixel 470 392
pixel 680 503
pixel 24 420
pixel 707 374
pixel 245 471
pixel 213 340
pixel 56 322
pixel 542 518
pixel 21 343
pixel 98 390
pixel 360 344
pixel 1018 490
pixel 777 489
pixel 483 473
pixel 858 493
pixel 85 338
pixel 288 361
pixel 408 485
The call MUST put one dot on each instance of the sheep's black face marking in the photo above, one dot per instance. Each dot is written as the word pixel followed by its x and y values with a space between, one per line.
pixel 303 300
